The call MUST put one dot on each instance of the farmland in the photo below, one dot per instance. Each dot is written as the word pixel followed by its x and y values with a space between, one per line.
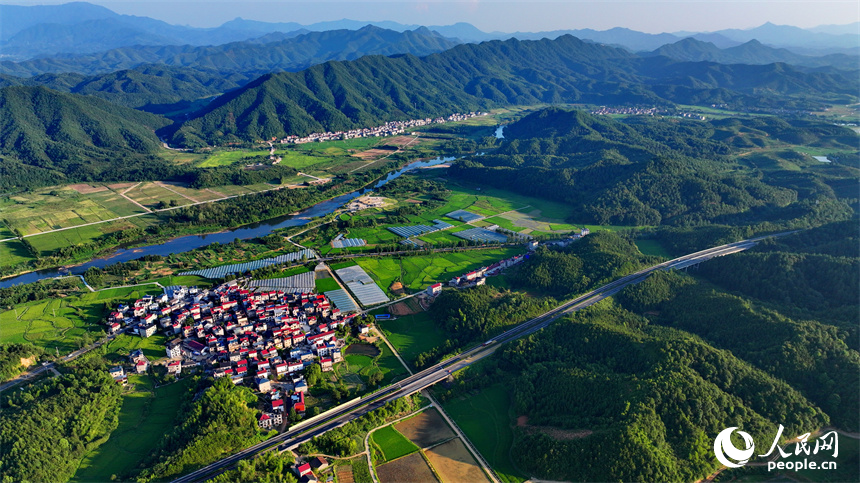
pixel 486 420
pixel 425 429
pixel 412 334
pixel 147 414
pixel 392 444
pixel 454 463
pixel 411 468
pixel 62 324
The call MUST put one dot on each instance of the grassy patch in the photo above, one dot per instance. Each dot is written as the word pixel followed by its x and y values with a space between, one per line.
pixel 326 284
pixel 13 252
pixel 487 421
pixel 152 347
pixel 147 414
pixel 413 334
pixel 652 247
pixel 228 157
pixel 392 444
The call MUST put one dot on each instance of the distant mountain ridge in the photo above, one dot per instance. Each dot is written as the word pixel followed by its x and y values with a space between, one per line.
pixel 246 57
pixel 752 52
pixel 77 28
pixel 374 89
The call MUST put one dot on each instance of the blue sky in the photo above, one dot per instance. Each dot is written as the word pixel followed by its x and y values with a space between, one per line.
pixel 489 15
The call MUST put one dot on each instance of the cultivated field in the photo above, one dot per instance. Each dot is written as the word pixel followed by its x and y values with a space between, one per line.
pixel 411 468
pixel 61 323
pixel 413 334
pixel 454 463
pixel 485 418
pixel 392 444
pixel 425 429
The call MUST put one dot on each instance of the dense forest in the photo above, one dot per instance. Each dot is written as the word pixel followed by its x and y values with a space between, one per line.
pixel 220 422
pixel 47 429
pixel 49 136
pixel 650 172
pixel 652 397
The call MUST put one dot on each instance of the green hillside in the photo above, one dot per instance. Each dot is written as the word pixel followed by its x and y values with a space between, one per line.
pixel 78 137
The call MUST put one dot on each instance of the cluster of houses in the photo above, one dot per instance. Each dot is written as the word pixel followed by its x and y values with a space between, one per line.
pixel 479 277
pixel 568 239
pixel 645 111
pixel 387 129
pixel 246 335
pixel 306 470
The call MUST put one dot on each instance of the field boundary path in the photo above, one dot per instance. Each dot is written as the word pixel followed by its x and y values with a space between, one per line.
pixel 168 188
pixel 123 194
pixel 148 211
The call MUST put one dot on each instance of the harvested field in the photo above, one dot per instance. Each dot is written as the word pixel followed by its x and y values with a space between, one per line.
pixel 86 189
pixel 120 186
pixel 397 289
pixel 454 463
pixel 363 349
pixel 410 468
pixel 344 474
pixel 426 429
pixel 375 153
pixel 407 307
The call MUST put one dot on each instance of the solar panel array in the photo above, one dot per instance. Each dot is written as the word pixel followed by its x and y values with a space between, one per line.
pixel 463 215
pixel 341 300
pixel 348 242
pixel 418 230
pixel 220 272
pixel 481 235
pixel 361 285
pixel 301 283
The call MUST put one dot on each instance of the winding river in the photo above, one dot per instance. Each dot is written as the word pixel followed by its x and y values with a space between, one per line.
pixel 190 242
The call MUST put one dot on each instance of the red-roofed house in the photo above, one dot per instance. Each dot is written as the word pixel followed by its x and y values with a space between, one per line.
pixel 303 469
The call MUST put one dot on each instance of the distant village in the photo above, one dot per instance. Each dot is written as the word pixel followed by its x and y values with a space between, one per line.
pixel 645 111
pixel 387 129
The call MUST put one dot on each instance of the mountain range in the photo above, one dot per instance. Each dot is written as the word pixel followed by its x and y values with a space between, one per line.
pixel 83 28
pixel 252 58
pixel 752 52
pixel 374 89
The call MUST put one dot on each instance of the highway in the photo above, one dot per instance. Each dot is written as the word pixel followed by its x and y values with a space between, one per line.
pixel 341 415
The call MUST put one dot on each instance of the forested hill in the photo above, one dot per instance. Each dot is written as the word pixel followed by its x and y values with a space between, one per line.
pixel 153 88
pixel 46 133
pixel 374 89
pixel 664 171
pixel 246 57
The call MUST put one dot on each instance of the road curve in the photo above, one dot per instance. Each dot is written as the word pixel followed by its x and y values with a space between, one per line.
pixel 341 415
